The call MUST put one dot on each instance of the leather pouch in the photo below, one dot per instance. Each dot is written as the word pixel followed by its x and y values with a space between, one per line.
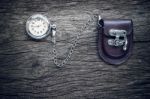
pixel 115 40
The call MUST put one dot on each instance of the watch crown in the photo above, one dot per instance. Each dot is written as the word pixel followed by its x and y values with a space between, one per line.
pixel 54 26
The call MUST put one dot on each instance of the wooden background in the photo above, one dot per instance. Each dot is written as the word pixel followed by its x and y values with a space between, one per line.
pixel 26 66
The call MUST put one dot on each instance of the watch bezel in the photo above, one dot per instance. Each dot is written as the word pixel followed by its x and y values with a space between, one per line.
pixel 33 17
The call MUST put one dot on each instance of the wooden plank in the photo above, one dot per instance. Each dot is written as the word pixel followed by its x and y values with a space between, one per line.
pixel 26 66
pixel 71 15
pixel 31 73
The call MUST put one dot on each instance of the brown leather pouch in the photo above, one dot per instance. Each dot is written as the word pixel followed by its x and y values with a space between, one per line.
pixel 115 40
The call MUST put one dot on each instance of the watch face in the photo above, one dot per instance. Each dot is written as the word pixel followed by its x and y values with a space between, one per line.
pixel 38 26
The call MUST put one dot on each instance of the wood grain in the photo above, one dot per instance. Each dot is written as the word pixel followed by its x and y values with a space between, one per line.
pixel 26 66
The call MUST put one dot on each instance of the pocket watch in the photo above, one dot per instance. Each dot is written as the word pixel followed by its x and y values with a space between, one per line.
pixel 38 26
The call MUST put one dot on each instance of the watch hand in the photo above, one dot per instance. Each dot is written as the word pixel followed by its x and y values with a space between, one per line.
pixel 36 25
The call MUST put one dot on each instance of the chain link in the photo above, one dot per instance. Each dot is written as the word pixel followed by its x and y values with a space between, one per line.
pixel 74 44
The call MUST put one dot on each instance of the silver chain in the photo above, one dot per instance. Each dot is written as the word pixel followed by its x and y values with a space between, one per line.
pixel 74 44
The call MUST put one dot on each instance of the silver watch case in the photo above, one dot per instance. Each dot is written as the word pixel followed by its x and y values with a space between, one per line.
pixel 34 17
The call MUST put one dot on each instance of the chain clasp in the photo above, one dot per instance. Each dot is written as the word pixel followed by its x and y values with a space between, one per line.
pixel 53 29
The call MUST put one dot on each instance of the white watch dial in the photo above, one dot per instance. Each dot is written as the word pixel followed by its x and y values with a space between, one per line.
pixel 37 26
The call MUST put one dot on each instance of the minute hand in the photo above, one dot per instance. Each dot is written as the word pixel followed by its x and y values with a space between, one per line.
pixel 36 26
